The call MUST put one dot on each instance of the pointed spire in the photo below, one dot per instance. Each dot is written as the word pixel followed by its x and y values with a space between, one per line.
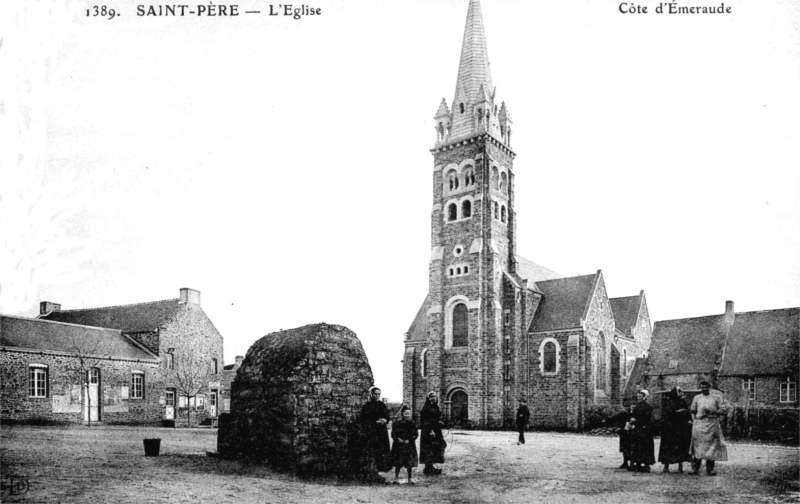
pixel 474 67
pixel 473 109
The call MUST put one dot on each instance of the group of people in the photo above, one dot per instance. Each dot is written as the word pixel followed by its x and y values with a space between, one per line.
pixel 688 433
pixel 376 454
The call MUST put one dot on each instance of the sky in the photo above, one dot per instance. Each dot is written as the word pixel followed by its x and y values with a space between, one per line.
pixel 282 166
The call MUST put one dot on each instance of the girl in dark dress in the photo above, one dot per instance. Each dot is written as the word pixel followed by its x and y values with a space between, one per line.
pixel 404 447
pixel 643 448
pixel 676 431
pixel 431 443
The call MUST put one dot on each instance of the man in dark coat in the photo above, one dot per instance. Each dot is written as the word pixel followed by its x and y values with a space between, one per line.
pixel 374 437
pixel 431 441
pixel 643 448
pixel 676 431
pixel 523 415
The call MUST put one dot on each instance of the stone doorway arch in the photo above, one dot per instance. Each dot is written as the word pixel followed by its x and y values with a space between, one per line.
pixel 459 407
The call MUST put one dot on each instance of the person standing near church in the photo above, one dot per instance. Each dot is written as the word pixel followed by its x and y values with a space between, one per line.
pixel 374 437
pixel 707 442
pixel 431 440
pixel 642 446
pixel 523 415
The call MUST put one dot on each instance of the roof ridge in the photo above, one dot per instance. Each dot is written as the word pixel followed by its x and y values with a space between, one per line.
pixel 117 306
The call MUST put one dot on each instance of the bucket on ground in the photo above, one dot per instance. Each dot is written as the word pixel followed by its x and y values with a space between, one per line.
pixel 152 447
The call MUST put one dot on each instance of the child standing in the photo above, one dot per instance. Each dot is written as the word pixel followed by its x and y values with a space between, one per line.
pixel 404 447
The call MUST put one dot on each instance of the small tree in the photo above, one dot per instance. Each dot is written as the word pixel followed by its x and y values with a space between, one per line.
pixel 190 377
pixel 88 349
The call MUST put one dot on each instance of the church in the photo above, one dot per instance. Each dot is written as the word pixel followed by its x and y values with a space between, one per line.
pixel 494 326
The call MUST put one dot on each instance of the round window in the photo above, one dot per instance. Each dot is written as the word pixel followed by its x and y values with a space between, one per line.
pixel 458 250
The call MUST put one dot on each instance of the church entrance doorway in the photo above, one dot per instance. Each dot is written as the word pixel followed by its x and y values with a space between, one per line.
pixel 459 408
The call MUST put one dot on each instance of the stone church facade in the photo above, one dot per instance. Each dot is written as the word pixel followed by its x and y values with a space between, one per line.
pixel 494 326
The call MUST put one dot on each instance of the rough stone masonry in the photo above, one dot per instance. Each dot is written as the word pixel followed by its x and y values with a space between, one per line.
pixel 296 398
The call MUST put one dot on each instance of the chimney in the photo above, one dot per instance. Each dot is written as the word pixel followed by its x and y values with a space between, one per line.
pixel 190 296
pixel 729 313
pixel 46 307
pixel 239 360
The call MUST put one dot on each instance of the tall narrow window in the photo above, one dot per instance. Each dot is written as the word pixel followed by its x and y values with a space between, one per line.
pixel 137 385
pixel 460 325
pixel 495 210
pixel 503 182
pixel 214 366
pixel 749 388
pixel 423 363
pixel 170 360
pixel 37 380
pixel 466 209
pixel 550 357
pixel 788 390
pixel 503 213
pixel 452 212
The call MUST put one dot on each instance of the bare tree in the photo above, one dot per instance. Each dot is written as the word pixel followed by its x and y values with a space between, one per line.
pixel 190 377
pixel 88 348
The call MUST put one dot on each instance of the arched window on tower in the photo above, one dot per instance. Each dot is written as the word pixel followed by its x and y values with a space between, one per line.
pixel 466 209
pixel 469 176
pixel 624 362
pixel 461 107
pixel 495 209
pixel 495 177
pixel 503 213
pixel 503 182
pixel 452 212
pixel 549 357
pixel 423 363
pixel 460 325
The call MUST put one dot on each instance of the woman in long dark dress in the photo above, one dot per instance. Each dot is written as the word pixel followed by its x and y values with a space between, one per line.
pixel 374 437
pixel 431 443
pixel 643 448
pixel 676 431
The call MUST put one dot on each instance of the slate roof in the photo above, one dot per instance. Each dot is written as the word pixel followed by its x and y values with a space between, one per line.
pixel 758 343
pixel 626 312
pixel 564 302
pixel 133 318
pixel 36 334
pixel 418 331
pixel 531 271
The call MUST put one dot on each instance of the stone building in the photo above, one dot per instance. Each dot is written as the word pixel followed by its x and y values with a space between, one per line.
pixel 754 357
pixel 173 346
pixel 495 326
pixel 295 399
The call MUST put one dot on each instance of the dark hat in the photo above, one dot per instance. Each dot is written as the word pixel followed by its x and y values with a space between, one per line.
pixel 522 400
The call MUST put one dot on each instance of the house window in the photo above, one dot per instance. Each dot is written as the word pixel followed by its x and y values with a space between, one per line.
pixel 788 390
pixel 460 325
pixel 749 387
pixel 199 402
pixel 214 366
pixel 137 385
pixel 37 380
pixel 170 360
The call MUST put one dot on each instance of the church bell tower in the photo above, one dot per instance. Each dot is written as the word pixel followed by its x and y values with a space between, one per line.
pixel 472 241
